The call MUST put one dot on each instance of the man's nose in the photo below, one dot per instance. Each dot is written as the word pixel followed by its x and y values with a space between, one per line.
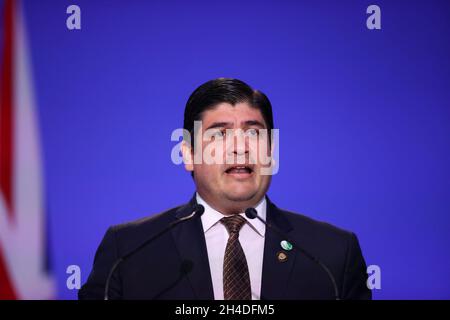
pixel 240 146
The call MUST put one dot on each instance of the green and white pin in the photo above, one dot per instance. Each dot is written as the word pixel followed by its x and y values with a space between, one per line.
pixel 286 245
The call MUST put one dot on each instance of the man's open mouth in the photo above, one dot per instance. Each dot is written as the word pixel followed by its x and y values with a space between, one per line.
pixel 239 169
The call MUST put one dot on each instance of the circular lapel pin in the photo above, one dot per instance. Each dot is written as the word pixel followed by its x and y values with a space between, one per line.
pixel 286 245
pixel 282 257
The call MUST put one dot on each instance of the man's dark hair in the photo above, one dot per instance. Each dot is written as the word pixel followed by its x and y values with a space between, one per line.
pixel 224 90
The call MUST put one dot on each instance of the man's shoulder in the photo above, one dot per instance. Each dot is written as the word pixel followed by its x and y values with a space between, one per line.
pixel 132 233
pixel 315 231
pixel 317 225
pixel 148 221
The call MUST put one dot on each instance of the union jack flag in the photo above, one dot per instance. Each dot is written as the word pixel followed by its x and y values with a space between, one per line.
pixel 23 255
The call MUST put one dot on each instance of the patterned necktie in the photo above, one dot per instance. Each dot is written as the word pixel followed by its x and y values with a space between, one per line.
pixel 236 279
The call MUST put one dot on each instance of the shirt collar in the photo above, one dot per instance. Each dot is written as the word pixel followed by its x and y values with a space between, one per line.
pixel 211 216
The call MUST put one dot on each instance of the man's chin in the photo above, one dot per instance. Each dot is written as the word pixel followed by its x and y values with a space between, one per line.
pixel 236 196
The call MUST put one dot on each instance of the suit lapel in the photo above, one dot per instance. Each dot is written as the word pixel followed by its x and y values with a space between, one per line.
pixel 276 271
pixel 190 241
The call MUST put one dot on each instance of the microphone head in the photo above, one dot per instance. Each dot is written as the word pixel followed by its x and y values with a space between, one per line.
pixel 199 210
pixel 251 213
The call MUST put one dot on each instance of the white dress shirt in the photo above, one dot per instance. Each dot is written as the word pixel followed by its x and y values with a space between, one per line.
pixel 251 238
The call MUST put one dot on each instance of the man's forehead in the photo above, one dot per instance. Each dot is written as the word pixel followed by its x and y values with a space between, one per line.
pixel 238 114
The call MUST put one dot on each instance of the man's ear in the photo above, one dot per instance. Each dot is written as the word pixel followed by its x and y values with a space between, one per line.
pixel 188 156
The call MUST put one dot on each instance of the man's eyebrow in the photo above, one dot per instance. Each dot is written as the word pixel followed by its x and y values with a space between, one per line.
pixel 256 123
pixel 219 125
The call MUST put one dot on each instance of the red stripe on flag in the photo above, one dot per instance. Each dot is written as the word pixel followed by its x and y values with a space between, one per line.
pixel 6 135
pixel 6 288
pixel 6 109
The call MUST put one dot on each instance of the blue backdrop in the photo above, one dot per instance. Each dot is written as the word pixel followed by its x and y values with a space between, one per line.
pixel 364 118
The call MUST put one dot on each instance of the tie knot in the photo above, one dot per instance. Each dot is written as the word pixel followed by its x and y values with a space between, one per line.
pixel 233 223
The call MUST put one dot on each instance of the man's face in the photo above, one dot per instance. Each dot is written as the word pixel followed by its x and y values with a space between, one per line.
pixel 233 139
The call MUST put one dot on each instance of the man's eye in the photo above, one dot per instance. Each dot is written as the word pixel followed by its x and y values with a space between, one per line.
pixel 218 134
pixel 252 132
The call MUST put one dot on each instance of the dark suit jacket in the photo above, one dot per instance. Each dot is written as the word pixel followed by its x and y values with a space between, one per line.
pixel 175 265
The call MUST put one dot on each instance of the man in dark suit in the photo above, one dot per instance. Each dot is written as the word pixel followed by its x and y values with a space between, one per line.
pixel 226 254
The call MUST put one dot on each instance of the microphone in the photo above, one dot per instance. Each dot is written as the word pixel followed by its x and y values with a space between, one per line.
pixel 198 210
pixel 251 213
